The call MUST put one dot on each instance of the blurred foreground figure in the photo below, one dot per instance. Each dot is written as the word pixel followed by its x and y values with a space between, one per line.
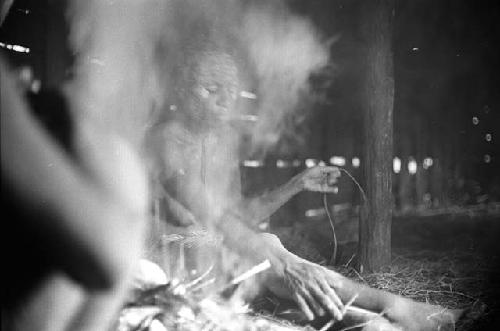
pixel 196 160
pixel 74 203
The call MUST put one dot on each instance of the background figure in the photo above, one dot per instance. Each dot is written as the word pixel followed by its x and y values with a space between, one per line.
pixel 197 152
pixel 196 156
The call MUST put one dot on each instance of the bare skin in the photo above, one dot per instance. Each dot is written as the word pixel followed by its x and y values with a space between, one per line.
pixel 315 289
pixel 209 103
pixel 90 211
pixel 391 309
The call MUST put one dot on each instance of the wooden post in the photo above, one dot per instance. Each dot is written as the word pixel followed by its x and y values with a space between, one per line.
pixel 376 217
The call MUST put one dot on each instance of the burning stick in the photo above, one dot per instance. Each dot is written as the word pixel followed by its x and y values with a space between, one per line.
pixel 366 315
pixel 347 306
pixel 202 285
pixel 199 279
pixel 365 312
pixel 252 272
pixel 228 290
pixel 349 303
pixel 328 325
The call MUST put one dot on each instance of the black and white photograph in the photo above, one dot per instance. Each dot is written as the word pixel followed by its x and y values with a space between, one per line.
pixel 250 165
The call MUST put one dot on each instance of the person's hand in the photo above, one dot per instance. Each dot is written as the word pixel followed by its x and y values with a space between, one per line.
pixel 319 179
pixel 312 288
pixel 310 285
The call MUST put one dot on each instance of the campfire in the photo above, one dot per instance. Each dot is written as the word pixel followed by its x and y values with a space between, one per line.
pixel 190 305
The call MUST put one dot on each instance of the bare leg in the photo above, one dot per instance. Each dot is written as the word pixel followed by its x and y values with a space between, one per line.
pixel 409 314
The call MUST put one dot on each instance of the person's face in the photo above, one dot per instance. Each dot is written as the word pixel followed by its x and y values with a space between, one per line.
pixel 213 94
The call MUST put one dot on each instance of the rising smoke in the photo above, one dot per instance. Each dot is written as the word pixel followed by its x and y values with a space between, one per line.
pixel 128 52
pixel 116 85
pixel 285 50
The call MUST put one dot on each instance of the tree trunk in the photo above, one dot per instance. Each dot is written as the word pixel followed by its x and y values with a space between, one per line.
pixel 375 221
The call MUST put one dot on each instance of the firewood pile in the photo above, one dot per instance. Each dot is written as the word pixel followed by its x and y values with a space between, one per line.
pixel 189 306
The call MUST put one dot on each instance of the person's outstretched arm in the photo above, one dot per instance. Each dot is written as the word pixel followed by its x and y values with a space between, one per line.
pixel 316 179
pixel 319 291
pixel 308 284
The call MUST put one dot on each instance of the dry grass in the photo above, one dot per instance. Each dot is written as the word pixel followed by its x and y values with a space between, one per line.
pixel 451 279
pixel 454 279
pixel 450 260
pixel 451 263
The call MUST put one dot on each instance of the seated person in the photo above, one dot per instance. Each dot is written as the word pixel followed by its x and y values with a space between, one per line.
pixel 195 163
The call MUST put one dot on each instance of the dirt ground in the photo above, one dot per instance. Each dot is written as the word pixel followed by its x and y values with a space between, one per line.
pixel 453 261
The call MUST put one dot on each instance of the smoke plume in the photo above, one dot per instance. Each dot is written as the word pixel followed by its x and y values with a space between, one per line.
pixel 129 52
pixel 285 50
pixel 116 83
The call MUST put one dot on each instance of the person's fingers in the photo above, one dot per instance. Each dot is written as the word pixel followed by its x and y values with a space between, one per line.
pixel 303 306
pixel 336 172
pixel 334 296
pixel 331 170
pixel 331 180
pixel 330 173
pixel 335 281
pixel 331 300
pixel 323 299
pixel 311 301
pixel 327 287
pixel 323 188
pixel 328 189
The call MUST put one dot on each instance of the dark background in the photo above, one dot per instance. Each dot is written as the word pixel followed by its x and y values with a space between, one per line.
pixel 447 100
pixel 446 65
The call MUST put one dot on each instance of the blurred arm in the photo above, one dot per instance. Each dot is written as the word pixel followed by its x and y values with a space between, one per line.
pixel 81 215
